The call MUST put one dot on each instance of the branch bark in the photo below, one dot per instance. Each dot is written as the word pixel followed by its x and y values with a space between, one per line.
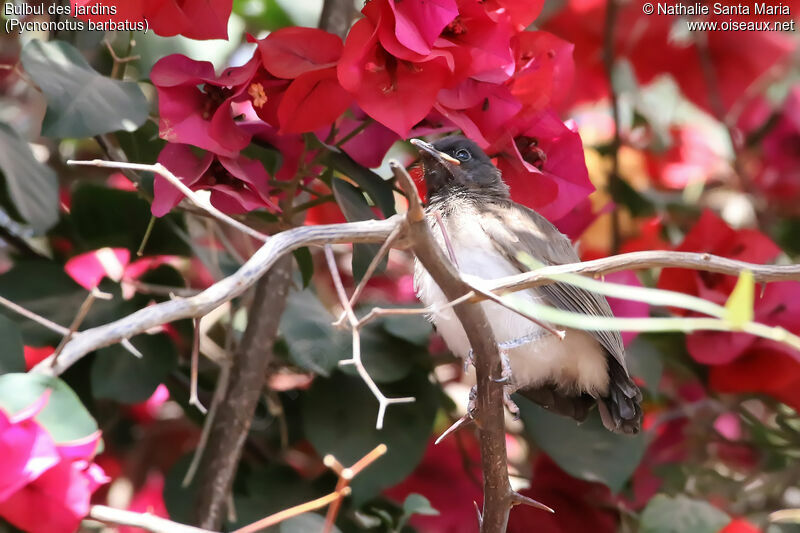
pixel 85 342
pixel 498 497
pixel 336 16
pixel 235 413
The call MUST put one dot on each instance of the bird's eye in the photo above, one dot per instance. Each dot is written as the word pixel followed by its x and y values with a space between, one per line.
pixel 463 155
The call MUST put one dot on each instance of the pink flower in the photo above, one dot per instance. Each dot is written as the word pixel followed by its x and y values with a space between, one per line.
pixel 779 178
pixel 89 269
pixel 542 161
pixel 149 499
pixel 314 98
pixel 202 116
pixel 396 90
pixel 690 159
pixel 196 19
pixel 237 184
pixel 45 486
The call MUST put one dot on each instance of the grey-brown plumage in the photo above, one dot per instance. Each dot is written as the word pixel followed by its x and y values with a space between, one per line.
pixel 488 230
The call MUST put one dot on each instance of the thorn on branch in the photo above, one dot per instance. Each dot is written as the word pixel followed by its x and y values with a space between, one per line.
pixel 519 499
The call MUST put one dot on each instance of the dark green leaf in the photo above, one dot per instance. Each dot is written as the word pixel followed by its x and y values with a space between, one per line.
pixel 785 232
pixel 623 194
pixel 80 101
pixel 339 415
pixel 119 375
pixel 45 289
pixel 118 219
pixel 418 504
pixel 665 514
pixel 64 416
pixel 306 523
pixel 644 361
pixel 415 329
pixel 305 263
pixel 32 186
pixel 386 359
pixel 142 145
pixel 12 355
pixel 379 190
pixel 355 208
pixel 587 451
pixel 313 342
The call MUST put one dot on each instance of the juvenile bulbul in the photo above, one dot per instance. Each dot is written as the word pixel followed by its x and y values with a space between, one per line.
pixel 487 230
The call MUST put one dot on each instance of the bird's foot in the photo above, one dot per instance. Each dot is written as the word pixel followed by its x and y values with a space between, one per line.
pixel 469 360
pixel 506 380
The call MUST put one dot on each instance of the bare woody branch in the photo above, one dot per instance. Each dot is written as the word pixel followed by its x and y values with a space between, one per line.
pixel 85 342
pixel 497 491
pixel 146 521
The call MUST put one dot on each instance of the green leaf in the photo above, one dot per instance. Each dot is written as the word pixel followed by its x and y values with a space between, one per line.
pixel 305 263
pixel 379 190
pixel 306 523
pixel 142 145
pixel 638 204
pixel 586 451
pixel 739 307
pixel 386 359
pixel 119 375
pixel 418 504
pixel 32 186
pixel 355 208
pixel 665 514
pixel 64 416
pixel 45 289
pixel 80 101
pixel 339 416
pixel 103 216
pixel 644 361
pixel 12 352
pixel 314 344
pixel 415 329
pixel 265 14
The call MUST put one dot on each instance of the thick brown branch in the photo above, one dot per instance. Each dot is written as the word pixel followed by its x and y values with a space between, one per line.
pixel 232 422
pixel 337 15
pixel 497 493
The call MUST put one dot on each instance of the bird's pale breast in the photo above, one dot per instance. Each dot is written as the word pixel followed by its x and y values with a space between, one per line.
pixel 577 363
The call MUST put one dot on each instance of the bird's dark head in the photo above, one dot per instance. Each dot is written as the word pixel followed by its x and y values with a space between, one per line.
pixel 455 164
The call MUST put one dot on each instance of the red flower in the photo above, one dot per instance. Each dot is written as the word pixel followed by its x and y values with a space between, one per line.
pixel 196 19
pixel 580 505
pixel 690 159
pixel 739 525
pixel 654 48
pixel 46 486
pixel 741 362
pixel 443 478
pixel 308 56
pixel 394 91
pixel 542 161
pixel 545 70
pixel 202 117
pixel 237 184
pixel 149 499
pixel 779 178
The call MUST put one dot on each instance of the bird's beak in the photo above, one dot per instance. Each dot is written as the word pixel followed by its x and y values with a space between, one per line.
pixel 428 148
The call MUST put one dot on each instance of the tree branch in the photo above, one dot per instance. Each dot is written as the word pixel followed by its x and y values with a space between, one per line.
pixel 497 492
pixel 82 343
pixel 336 16
pixel 109 515
pixel 235 413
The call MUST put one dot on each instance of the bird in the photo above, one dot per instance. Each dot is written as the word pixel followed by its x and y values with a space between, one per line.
pixel 486 231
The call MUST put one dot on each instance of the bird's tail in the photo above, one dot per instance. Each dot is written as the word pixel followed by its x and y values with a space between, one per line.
pixel 620 409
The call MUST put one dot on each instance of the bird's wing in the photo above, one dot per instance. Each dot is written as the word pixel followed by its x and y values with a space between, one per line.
pixel 514 228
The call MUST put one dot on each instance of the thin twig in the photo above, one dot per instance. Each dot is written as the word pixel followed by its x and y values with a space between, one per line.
pixel 195 361
pixel 193 197
pixel 373 265
pixel 78 320
pixel 217 294
pixel 291 512
pixel 346 475
pixel 383 401
pixel 156 524
pixel 49 324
